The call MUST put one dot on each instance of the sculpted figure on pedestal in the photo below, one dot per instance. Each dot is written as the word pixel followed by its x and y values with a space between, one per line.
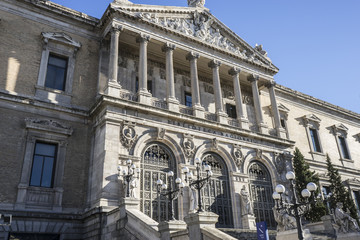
pixel 344 221
pixel 196 3
pixel 246 208
pixel 193 199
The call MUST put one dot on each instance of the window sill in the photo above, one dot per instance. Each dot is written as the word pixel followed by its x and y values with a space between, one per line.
pixel 53 95
pixel 317 153
pixel 346 160
pixel 53 90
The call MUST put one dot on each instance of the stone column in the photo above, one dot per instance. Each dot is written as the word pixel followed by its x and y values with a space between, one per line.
pixel 113 87
pixel 172 102
pixel 281 132
pixel 195 92
pixel 258 112
pixel 143 93
pixel 243 121
pixel 219 105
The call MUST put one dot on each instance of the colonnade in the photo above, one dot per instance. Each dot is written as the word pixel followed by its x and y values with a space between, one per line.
pixel 198 110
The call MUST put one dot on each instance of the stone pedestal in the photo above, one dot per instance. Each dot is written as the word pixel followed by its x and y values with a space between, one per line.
pixel 328 224
pixel 293 234
pixel 222 117
pixel 248 222
pixel 348 236
pixel 263 128
pixel 128 203
pixel 173 105
pixel 169 227
pixel 281 133
pixel 144 97
pixel 198 111
pixel 112 89
pixel 243 123
pixel 195 221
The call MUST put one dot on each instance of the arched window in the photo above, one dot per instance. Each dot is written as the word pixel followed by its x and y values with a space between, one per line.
pixel 261 194
pixel 156 161
pixel 216 195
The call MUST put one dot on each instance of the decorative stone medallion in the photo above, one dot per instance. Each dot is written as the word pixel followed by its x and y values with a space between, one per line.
pixel 237 155
pixel 188 146
pixel 161 133
pixel 128 134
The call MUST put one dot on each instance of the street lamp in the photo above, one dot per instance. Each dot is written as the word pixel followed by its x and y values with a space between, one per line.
pixel 170 192
pixel 199 183
pixel 128 175
pixel 295 205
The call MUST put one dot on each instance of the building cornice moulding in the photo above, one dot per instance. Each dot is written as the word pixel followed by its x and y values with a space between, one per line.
pixel 323 104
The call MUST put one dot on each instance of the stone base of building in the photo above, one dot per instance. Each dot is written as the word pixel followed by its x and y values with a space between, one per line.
pixel 293 234
pixel 348 236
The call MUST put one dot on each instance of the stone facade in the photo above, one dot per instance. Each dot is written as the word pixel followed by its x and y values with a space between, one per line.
pixel 160 86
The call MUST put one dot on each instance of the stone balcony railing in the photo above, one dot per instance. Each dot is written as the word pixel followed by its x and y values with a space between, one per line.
pixel 126 95
pixel 158 103
pixel 211 116
pixel 233 122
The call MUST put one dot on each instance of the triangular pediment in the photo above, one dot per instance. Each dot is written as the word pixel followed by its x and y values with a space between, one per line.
pixel 340 127
pixel 312 118
pixel 60 37
pixel 282 108
pixel 200 25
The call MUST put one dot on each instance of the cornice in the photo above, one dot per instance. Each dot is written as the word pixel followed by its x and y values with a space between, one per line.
pixel 316 101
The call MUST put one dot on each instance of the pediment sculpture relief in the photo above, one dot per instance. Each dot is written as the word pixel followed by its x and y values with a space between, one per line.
pixel 202 26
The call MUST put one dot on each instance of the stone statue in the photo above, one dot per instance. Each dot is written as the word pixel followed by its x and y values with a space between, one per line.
pixel 196 3
pixel 246 208
pixel 284 220
pixel 193 199
pixel 344 221
pixel 132 187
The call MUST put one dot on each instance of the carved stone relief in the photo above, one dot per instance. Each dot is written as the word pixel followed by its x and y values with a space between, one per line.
pixel 215 143
pixel 186 81
pixel 202 26
pixel 161 133
pixel 48 125
pixel 259 154
pixel 188 146
pixel 128 134
pixel 209 88
pixel 237 155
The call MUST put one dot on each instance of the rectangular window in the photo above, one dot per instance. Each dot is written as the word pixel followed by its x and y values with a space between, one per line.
pixel 231 110
pixel 283 123
pixel 188 99
pixel 344 149
pixel 56 72
pixel 315 140
pixel 43 165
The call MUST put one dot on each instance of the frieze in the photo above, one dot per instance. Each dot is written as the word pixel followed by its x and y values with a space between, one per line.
pixel 212 131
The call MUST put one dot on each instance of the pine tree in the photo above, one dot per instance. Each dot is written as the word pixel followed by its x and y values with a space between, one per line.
pixel 338 190
pixel 303 175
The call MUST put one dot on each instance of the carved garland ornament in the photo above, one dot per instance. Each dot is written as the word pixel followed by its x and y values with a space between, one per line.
pixel 128 135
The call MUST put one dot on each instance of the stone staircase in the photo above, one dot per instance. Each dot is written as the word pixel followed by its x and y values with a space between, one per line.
pixel 246 234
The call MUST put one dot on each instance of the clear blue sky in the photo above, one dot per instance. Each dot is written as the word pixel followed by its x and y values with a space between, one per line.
pixel 315 43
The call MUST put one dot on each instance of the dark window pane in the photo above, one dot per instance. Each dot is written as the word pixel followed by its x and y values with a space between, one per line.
pixel 47 172
pixel 36 171
pixel 45 149
pixel 231 110
pixel 149 86
pixel 357 199
pixel 283 123
pixel 344 148
pixel 56 72
pixel 315 140
pixel 188 100
pixel 43 165
pixel 136 84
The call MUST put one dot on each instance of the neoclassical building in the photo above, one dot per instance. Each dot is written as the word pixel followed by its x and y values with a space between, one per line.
pixel 158 85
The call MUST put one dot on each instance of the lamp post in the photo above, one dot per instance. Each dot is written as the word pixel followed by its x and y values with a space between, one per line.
pixel 170 192
pixel 199 183
pixel 295 205
pixel 129 175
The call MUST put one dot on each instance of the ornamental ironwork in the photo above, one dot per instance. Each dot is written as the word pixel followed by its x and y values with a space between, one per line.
pixel 261 194
pixel 157 160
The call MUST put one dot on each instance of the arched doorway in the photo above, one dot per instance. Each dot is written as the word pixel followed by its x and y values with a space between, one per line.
pixel 216 195
pixel 261 194
pixel 156 161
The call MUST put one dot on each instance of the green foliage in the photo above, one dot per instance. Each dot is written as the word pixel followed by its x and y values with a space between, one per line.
pixel 303 176
pixel 338 190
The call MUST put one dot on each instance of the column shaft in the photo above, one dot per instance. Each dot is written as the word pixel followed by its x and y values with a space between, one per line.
pixel 143 40
pixel 170 83
pixel 257 105
pixel 219 105
pixel 275 111
pixel 195 92
pixel 114 52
